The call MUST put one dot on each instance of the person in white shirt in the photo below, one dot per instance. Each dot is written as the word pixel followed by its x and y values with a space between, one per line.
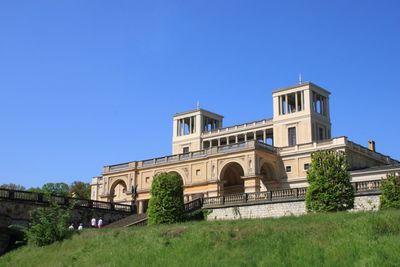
pixel 100 223
pixel 80 227
pixel 93 223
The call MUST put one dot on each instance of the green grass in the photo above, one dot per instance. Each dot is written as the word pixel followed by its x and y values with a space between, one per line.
pixel 341 239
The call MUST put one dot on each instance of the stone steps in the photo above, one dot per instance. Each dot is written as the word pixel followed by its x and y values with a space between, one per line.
pixel 127 221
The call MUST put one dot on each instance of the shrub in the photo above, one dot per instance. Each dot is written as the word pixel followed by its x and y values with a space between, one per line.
pixel 48 224
pixel 390 189
pixel 330 188
pixel 166 202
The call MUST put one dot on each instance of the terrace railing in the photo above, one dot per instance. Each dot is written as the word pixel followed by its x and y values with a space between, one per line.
pixel 40 198
pixel 365 187
pixel 251 144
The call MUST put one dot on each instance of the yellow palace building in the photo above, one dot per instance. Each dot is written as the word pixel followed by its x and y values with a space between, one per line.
pixel 268 154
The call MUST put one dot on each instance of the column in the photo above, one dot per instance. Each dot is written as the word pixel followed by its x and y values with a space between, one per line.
pixel 227 140
pixel 210 143
pixel 295 101
pixel 252 184
pixel 140 207
pixel 236 139
pixel 255 136
pixel 245 137
pixel 219 141
pixel 265 136
pixel 286 104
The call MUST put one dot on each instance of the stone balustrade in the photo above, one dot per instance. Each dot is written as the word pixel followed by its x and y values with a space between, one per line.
pixel 283 195
pixel 236 147
pixel 40 198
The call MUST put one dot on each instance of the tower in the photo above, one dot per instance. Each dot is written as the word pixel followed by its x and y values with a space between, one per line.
pixel 188 127
pixel 301 115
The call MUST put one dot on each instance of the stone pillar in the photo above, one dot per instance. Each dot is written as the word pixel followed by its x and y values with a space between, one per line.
pixel 236 139
pixel 140 207
pixel 245 137
pixel 252 184
pixel 219 141
pixel 265 136
pixel 255 136
pixel 227 140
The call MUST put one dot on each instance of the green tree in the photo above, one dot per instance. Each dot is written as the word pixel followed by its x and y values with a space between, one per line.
pixel 61 189
pixel 390 189
pixel 330 188
pixel 48 225
pixel 80 189
pixel 166 202
pixel 13 186
pixel 35 189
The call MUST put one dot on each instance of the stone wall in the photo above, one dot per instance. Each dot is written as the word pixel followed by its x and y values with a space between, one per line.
pixel 280 209
pixel 19 212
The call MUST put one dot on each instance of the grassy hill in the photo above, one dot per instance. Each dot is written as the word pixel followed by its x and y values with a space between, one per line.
pixel 341 239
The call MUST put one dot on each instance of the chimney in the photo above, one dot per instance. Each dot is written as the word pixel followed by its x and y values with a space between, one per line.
pixel 371 145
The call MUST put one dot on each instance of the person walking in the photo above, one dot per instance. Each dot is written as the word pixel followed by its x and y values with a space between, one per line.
pixel 100 223
pixel 93 222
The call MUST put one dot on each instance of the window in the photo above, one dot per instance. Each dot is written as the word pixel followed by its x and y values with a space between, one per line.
pixel 185 149
pixel 210 124
pixel 292 136
pixel 186 126
pixel 319 104
pixel 198 172
pixel 306 166
pixel 321 133
pixel 288 168
pixel 291 103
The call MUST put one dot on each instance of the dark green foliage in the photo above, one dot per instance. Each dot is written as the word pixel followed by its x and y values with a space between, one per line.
pixel 35 190
pixel 13 186
pixel 60 189
pixel 166 202
pixel 48 225
pixel 80 189
pixel 330 188
pixel 390 189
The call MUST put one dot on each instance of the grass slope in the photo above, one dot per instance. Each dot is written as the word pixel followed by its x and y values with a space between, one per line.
pixel 341 239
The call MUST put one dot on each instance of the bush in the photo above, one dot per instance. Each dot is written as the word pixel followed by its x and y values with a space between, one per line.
pixel 166 202
pixel 48 225
pixel 390 189
pixel 330 188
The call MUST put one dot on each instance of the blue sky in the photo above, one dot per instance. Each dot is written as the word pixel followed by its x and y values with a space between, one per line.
pixel 89 83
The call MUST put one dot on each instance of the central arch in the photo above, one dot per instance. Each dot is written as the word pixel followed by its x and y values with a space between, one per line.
pixel 118 191
pixel 231 179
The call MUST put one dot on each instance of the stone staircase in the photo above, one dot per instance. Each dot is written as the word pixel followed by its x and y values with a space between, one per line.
pixel 131 220
pixel 141 219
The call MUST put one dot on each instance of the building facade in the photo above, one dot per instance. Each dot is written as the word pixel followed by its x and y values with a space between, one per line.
pixel 269 154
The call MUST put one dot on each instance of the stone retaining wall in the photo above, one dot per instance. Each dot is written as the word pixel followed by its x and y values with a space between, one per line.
pixel 280 209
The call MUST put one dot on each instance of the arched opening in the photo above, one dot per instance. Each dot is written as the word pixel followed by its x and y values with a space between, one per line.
pixel 268 177
pixel 118 192
pixel 231 178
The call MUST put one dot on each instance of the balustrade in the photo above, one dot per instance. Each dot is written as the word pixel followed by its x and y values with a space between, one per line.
pixel 26 196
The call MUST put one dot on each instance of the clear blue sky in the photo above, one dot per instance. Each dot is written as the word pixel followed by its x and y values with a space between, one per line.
pixel 90 83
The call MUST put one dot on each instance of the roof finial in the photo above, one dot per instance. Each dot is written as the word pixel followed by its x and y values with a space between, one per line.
pixel 300 79
pixel 198 104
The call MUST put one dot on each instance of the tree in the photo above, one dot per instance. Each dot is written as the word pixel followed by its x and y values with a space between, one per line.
pixel 330 188
pixel 48 225
pixel 13 186
pixel 390 189
pixel 166 202
pixel 61 189
pixel 80 189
